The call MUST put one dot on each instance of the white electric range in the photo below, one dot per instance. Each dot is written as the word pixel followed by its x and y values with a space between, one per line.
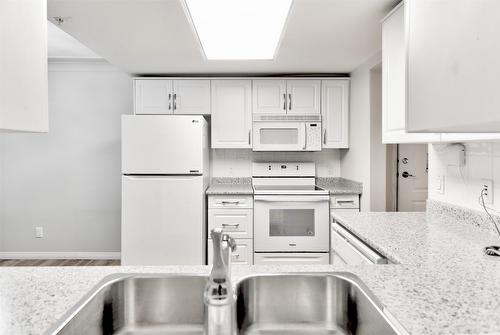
pixel 291 215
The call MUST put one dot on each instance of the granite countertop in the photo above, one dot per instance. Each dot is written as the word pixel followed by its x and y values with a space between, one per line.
pixel 443 274
pixel 339 185
pixel 230 186
pixel 243 186
pixel 443 283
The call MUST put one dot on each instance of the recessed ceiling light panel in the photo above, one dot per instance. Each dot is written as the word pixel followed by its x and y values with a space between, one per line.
pixel 239 29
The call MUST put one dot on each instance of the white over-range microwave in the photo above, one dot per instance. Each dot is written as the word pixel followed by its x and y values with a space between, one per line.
pixel 287 133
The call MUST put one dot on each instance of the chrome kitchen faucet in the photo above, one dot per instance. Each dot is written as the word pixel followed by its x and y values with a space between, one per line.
pixel 219 295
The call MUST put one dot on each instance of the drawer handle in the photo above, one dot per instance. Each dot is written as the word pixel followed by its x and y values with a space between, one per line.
pixel 226 202
pixel 236 256
pixel 345 201
pixel 234 225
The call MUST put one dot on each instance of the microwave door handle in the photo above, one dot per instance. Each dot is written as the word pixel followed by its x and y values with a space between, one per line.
pixel 305 137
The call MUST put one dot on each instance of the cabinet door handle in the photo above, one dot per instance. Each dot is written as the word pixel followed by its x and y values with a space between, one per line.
pixel 250 137
pixel 324 136
pixel 284 101
pixel 169 101
pixel 289 101
pixel 175 101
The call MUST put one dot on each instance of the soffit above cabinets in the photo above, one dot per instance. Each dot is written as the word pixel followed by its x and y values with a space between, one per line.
pixel 156 36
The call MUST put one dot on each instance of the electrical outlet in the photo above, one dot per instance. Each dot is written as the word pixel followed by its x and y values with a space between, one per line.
pixel 38 232
pixel 487 189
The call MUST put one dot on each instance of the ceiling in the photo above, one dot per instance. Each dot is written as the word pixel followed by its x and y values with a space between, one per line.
pixel 156 37
pixel 61 45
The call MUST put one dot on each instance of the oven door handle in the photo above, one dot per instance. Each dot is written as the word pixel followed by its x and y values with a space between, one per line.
pixel 311 198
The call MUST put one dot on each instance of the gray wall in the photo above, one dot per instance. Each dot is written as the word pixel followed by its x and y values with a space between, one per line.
pixel 67 180
pixel 357 163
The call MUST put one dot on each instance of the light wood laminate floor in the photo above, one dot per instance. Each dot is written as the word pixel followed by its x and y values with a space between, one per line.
pixel 59 262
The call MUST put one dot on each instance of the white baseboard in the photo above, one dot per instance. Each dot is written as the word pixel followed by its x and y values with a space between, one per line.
pixel 59 255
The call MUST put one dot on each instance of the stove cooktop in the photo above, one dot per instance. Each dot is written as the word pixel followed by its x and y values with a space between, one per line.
pixel 289 189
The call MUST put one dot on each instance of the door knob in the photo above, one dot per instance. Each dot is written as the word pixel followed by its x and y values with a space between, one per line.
pixel 406 174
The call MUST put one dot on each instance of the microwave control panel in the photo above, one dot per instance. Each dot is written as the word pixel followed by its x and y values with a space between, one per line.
pixel 313 136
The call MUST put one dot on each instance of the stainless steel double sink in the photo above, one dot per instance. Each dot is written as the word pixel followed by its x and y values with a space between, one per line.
pixel 316 303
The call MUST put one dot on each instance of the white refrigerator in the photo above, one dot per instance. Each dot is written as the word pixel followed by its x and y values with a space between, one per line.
pixel 164 178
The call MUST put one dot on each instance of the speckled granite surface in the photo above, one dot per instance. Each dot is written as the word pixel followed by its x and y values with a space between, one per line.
pixel 443 284
pixel 233 186
pixel 476 218
pixel 230 186
pixel 338 185
pixel 452 286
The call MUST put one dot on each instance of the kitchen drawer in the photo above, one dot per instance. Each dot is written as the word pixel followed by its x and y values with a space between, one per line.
pixel 344 201
pixel 336 259
pixel 237 222
pixel 291 258
pixel 347 253
pixel 242 256
pixel 227 201
pixel 342 210
pixel 352 250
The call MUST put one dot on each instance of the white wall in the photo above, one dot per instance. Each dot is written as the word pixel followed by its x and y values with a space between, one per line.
pixel 463 185
pixel 357 162
pixel 377 149
pixel 238 163
pixel 68 180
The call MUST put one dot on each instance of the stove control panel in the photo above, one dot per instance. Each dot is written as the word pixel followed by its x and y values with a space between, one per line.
pixel 284 169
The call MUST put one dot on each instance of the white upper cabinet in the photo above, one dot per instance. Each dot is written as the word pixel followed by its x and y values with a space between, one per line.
pixel 293 96
pixel 23 66
pixel 394 93
pixel 191 96
pixel 269 96
pixel 394 83
pixel 335 113
pixel 166 96
pixel 303 96
pixel 231 113
pixel 453 65
pixel 153 96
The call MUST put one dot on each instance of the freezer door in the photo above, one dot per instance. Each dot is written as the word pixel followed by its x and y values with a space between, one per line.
pixel 163 220
pixel 163 144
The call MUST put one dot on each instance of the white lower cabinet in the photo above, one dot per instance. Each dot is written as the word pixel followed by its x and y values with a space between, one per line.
pixel 349 249
pixel 242 256
pixel 234 214
pixel 278 258
pixel 342 201
pixel 237 222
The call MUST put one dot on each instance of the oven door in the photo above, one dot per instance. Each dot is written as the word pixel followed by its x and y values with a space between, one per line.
pixel 279 136
pixel 291 223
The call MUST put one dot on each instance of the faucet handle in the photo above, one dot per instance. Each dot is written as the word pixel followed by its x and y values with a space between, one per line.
pixel 231 242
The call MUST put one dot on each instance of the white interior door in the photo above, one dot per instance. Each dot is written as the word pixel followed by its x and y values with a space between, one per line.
pixel 163 221
pixel 412 177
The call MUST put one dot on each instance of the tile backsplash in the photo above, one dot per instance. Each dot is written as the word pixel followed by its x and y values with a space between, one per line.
pixel 238 162
pixel 462 185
